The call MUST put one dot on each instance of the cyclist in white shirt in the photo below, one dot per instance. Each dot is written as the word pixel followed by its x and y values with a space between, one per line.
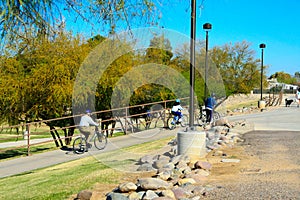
pixel 86 122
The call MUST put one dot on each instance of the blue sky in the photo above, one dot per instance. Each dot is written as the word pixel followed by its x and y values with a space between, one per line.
pixel 273 22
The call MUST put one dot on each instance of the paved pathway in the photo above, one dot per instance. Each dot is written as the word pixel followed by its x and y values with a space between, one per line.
pixel 278 119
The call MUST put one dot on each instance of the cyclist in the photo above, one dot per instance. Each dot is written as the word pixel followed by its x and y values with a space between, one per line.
pixel 176 111
pixel 85 124
pixel 210 104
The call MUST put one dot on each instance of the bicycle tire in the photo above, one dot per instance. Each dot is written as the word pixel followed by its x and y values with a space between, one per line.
pixel 169 123
pixel 100 140
pixel 184 120
pixel 201 118
pixel 79 145
pixel 216 116
pixel 159 122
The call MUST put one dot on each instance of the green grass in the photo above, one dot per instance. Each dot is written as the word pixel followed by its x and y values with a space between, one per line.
pixel 63 180
pixel 8 153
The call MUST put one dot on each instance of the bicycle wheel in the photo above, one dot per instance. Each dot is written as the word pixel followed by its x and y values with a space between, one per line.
pixel 159 121
pixel 79 145
pixel 184 121
pixel 216 116
pixel 201 118
pixel 169 123
pixel 100 140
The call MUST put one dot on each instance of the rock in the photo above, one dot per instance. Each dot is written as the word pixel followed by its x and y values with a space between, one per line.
pixel 149 195
pixel 198 190
pixel 168 194
pixel 135 196
pixel 146 167
pixel 201 172
pixel 116 196
pixel 203 165
pixel 127 187
pixel 163 198
pixel 165 175
pixel 146 159
pixel 186 181
pixel 199 178
pixel 153 184
pixel 84 195
pixel 184 158
pixel 181 193
pixel 158 164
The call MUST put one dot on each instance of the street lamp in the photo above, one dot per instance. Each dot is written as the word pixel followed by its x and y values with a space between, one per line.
pixel 207 27
pixel 262 46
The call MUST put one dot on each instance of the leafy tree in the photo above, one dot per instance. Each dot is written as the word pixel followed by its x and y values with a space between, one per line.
pixel 22 20
pixel 38 82
pixel 283 77
pixel 159 51
pixel 239 69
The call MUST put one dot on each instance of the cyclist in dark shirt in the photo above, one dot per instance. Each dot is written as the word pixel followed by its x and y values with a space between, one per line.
pixel 210 104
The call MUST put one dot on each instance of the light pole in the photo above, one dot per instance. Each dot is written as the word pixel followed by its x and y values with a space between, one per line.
pixel 207 27
pixel 262 46
pixel 192 63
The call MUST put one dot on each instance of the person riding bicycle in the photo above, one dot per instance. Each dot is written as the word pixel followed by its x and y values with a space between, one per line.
pixel 210 104
pixel 176 111
pixel 85 125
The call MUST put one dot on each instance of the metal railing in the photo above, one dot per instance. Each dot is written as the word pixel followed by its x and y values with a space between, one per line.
pixel 128 119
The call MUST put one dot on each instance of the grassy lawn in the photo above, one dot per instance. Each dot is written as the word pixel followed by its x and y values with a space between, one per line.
pixel 8 153
pixel 63 180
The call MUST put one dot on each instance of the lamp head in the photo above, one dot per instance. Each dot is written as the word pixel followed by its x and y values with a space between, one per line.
pixel 262 46
pixel 207 26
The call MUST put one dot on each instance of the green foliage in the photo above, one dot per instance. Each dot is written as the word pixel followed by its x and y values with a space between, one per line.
pixel 239 69
pixel 283 77
pixel 21 21
pixel 159 51
pixel 38 83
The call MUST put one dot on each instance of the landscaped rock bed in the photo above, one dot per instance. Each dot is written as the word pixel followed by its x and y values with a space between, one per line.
pixel 173 176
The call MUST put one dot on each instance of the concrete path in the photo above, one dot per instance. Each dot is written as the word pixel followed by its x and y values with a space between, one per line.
pixel 36 161
pixel 281 118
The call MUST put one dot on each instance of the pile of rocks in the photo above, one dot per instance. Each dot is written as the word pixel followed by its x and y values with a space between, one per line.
pixel 174 176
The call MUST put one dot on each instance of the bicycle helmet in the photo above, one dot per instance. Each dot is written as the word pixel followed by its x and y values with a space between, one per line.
pixel 177 101
pixel 88 111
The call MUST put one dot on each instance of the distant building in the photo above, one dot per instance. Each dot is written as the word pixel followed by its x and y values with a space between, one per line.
pixel 274 83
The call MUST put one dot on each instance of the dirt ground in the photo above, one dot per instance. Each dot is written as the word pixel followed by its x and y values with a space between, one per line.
pixel 269 168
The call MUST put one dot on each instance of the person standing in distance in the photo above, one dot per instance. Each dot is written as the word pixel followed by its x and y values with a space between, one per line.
pixel 85 125
pixel 298 97
pixel 210 104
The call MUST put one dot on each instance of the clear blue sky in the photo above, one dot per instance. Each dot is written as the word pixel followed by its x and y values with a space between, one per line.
pixel 273 22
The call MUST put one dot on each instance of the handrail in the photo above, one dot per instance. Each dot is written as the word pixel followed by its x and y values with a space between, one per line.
pixel 28 126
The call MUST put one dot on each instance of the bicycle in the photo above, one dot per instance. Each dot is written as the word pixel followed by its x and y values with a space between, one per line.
pixel 171 123
pixel 80 145
pixel 201 117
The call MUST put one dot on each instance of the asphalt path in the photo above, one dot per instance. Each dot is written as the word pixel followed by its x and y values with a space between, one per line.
pixel 281 118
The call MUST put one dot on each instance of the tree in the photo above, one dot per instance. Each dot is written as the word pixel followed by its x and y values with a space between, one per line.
pixel 283 77
pixel 239 69
pixel 22 20
pixel 38 83
pixel 159 51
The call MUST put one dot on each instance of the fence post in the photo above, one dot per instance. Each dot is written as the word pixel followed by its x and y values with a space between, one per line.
pixel 165 120
pixel 28 139
pixel 126 125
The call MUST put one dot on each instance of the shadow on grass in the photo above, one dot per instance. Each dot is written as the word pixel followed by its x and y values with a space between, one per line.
pixel 13 153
